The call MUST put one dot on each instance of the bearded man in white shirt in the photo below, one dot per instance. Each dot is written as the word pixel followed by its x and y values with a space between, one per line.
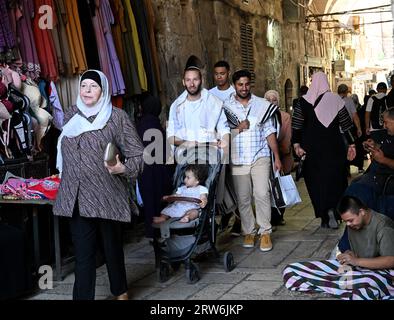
pixel 196 116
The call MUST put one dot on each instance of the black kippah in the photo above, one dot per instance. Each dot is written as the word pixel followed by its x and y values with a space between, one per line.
pixel 92 75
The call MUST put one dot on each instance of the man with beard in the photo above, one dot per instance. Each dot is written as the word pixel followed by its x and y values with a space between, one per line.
pixel 253 121
pixel 196 115
pixel 363 272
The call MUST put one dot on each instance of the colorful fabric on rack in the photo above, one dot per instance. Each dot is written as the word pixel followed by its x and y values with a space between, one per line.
pixel 31 189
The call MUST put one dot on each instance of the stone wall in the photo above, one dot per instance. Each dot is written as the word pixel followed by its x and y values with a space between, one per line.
pixel 293 55
pixel 210 29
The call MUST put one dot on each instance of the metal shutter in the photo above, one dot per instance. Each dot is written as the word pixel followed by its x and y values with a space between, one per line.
pixel 247 51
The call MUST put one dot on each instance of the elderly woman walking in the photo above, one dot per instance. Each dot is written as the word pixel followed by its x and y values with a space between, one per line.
pixel 93 194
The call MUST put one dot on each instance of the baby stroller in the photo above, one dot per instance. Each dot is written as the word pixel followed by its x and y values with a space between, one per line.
pixel 177 243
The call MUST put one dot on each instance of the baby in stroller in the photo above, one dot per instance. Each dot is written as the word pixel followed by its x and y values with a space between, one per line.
pixel 195 176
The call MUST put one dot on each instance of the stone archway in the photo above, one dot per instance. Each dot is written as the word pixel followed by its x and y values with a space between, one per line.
pixel 288 95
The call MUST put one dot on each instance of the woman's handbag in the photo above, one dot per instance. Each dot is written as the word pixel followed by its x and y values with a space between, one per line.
pixel 110 154
pixel 283 191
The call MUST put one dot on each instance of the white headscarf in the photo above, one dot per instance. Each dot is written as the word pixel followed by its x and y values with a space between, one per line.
pixel 78 124
pixel 329 106
pixel 274 93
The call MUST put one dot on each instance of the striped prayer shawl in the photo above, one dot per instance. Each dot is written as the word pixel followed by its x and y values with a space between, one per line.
pixel 233 118
pixel 324 277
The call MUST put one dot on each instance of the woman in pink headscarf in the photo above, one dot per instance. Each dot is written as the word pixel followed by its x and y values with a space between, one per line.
pixel 316 123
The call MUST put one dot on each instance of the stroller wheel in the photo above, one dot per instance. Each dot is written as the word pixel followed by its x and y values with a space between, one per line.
pixel 228 261
pixel 163 272
pixel 193 273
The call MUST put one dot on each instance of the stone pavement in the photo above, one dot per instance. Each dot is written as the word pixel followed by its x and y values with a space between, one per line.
pixel 257 275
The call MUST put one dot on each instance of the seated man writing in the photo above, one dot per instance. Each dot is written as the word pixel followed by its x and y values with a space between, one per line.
pixel 365 271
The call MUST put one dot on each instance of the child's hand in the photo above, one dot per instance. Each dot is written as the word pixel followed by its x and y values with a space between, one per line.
pixel 204 202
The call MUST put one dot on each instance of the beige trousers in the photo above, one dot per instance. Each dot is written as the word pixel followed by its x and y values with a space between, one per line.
pixel 254 180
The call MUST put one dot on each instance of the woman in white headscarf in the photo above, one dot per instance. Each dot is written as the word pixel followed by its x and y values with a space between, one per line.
pixel 92 194
pixel 316 122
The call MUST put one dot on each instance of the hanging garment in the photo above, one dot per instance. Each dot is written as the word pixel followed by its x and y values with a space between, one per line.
pixel 87 10
pixel 75 39
pixel 55 34
pixel 13 7
pixel 125 43
pixel 7 37
pixel 109 62
pixel 143 35
pixel 150 18
pixel 27 46
pixel 137 46
pixel 44 43
pixel 118 27
pixel 65 67
pixel 56 107
pixel 68 88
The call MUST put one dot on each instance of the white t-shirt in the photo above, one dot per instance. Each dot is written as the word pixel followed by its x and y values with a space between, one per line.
pixel 222 94
pixel 194 131
pixel 379 95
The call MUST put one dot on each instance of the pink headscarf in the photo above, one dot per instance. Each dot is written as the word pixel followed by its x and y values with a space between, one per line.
pixel 329 106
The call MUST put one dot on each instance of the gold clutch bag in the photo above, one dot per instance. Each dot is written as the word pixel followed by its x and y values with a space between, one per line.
pixel 110 154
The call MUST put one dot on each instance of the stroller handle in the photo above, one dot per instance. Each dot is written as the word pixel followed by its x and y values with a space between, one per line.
pixel 173 198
